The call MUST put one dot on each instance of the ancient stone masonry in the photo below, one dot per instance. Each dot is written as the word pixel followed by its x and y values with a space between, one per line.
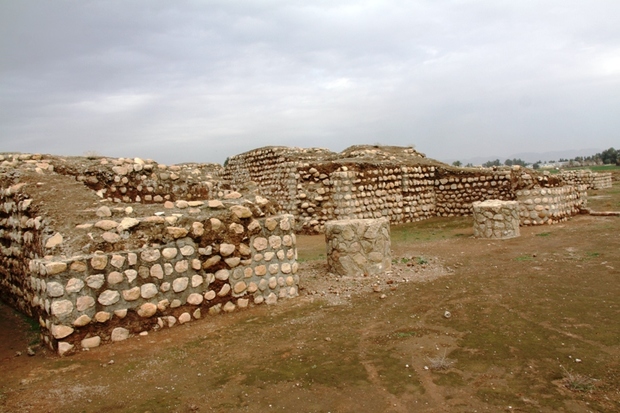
pixel 592 180
pixel 127 179
pixel 550 205
pixel 357 247
pixel 93 271
pixel 496 219
pixel 362 182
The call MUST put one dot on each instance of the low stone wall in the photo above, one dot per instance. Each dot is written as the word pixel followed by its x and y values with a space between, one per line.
pixel 550 205
pixel 496 219
pixel 127 179
pixel 358 246
pixel 91 271
pixel 85 300
pixel 592 180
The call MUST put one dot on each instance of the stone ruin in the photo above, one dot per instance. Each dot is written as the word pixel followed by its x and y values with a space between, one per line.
pixel 97 249
pixel 401 184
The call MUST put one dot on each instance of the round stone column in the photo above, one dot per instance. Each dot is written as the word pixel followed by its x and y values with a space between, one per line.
pixel 496 219
pixel 357 247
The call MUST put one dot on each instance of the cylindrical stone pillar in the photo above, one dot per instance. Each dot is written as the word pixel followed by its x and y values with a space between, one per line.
pixel 358 247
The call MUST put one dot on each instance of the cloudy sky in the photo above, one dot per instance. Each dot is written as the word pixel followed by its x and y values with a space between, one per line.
pixel 181 81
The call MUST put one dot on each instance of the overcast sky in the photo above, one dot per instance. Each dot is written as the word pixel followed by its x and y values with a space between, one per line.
pixel 179 81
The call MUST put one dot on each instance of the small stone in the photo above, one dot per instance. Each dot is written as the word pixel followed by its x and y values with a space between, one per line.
pixel 106 224
pixel 108 297
pixel 229 307
pixel 184 318
pixel 180 284
pixel 82 320
pixel 95 281
pixel 103 212
pixel 115 277
pixel 177 232
pixel 91 342
pixel 147 310
pixel 169 253
pixel 61 331
pixel 64 348
pixel 99 262
pixel 150 255
pixel 241 211
pixel 102 316
pixel 226 249
pixel 127 223
pixel 62 308
pixel 55 289
pixel 84 302
pixel 54 241
pixel 148 290
pixel 111 237
pixel 210 295
pixel 119 334
pixel 195 299
pixel 121 313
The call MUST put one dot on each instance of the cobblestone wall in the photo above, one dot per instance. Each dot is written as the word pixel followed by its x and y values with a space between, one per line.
pixel 592 180
pixel 539 206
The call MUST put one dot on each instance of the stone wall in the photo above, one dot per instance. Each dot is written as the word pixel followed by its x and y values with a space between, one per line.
pixel 91 270
pixel 362 182
pixel 539 206
pixel 592 180
pixel 127 180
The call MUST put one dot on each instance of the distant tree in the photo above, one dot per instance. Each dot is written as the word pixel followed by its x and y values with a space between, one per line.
pixel 457 163
pixel 492 163
pixel 609 156
pixel 469 165
pixel 536 165
pixel 508 162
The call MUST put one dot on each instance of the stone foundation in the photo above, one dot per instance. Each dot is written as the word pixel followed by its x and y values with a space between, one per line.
pixel 496 219
pixel 358 246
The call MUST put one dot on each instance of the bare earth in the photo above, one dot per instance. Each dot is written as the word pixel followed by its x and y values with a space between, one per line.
pixel 533 325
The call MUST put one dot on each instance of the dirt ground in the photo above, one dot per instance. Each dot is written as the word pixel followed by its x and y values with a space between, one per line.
pixel 530 324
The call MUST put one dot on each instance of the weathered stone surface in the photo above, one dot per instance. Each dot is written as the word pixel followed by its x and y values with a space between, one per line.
pixel 82 320
pixel 147 310
pixel 106 224
pixel 181 266
pixel 84 302
pixel 62 308
pixel 260 243
pixel 61 331
pixel 187 250
pixel 102 316
pixel 210 295
pixel 119 334
pixel 150 255
pixel 226 249
pixel 194 299
pixel 91 342
pixel 157 271
pixel 115 277
pixel 64 348
pixel 103 212
pixel 55 289
pixel 54 241
pixel 54 268
pixel 117 261
pixel 184 318
pixel 99 262
pixel 222 275
pixel 169 253
pixel 108 297
pixel 241 211
pixel 95 281
pixel 177 232
pixel 131 294
pixel 180 284
pixel 111 237
pixel 148 290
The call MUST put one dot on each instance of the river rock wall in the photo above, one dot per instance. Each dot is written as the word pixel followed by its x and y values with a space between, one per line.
pixel 362 182
pixel 591 180
pixel 93 270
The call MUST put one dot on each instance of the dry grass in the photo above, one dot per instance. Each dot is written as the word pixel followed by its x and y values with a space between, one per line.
pixel 441 362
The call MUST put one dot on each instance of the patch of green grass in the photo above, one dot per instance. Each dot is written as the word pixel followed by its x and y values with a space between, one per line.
pixel 524 258
pixel 543 234
pixel 577 382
